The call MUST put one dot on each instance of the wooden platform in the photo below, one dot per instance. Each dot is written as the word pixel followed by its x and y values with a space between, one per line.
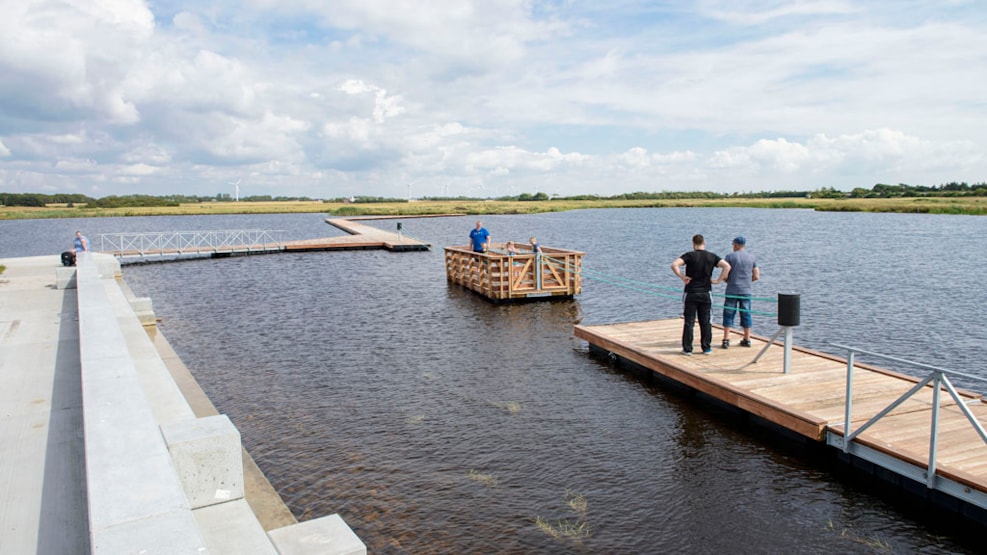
pixel 361 236
pixel 810 400
pixel 500 277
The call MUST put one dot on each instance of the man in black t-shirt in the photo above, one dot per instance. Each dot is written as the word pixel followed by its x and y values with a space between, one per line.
pixel 699 264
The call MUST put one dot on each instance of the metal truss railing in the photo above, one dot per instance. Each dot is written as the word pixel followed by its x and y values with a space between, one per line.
pixel 190 242
pixel 938 378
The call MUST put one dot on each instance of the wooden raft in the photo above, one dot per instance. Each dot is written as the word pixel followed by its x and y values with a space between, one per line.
pixel 499 277
pixel 810 398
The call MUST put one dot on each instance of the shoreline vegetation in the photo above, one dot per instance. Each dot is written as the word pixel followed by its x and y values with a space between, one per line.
pixel 968 205
pixel 949 198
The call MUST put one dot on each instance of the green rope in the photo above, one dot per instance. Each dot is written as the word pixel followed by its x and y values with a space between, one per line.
pixel 610 280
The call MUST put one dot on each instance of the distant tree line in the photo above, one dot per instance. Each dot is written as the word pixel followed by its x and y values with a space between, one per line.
pixel 365 199
pixel 881 190
pixel 34 199
pixel 113 201
pixel 952 189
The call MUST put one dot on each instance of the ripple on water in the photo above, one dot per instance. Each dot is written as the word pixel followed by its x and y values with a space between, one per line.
pixel 435 422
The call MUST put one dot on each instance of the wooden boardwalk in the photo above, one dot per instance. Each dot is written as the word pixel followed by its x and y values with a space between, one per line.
pixel 810 400
pixel 360 237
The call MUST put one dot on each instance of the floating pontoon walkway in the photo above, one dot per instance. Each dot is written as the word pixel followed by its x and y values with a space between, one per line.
pixel 810 400
pixel 363 236
pixel 248 242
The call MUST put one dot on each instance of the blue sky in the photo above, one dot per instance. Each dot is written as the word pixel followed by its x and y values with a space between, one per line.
pixel 488 98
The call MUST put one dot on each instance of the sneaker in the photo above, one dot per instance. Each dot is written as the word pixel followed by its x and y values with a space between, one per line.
pixel 708 352
pixel 687 353
pixel 726 343
pixel 745 342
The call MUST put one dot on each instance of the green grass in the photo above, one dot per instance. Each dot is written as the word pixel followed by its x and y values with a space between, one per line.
pixel 575 530
pixel 875 543
pixel 921 205
pixel 576 502
pixel 485 479
pixel 564 529
pixel 510 407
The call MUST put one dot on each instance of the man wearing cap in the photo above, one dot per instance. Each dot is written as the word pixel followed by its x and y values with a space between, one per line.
pixel 699 264
pixel 743 273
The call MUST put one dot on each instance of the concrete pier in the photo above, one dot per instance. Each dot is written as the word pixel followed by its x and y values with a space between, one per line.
pixel 100 449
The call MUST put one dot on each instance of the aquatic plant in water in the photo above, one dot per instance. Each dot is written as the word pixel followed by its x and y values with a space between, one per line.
pixel 563 528
pixel 485 479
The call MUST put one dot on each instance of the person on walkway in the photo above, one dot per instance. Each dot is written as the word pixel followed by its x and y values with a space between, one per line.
pixel 743 273
pixel 81 243
pixel 479 237
pixel 698 279
pixel 535 247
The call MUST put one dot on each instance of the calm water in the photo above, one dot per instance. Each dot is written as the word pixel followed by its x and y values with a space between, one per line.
pixel 436 422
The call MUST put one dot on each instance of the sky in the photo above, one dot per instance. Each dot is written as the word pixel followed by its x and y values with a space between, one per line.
pixel 396 98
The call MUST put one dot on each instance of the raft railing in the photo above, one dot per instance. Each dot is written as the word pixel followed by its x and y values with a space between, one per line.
pixel 939 380
pixel 499 276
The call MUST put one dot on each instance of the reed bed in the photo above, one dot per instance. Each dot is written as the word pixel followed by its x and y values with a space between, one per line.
pixel 914 205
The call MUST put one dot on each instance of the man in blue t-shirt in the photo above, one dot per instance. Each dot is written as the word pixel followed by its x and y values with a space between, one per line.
pixel 80 243
pixel 740 282
pixel 479 238
pixel 699 264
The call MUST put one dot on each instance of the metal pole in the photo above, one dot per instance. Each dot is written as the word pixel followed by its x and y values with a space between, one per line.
pixel 788 349
pixel 538 271
pixel 930 478
pixel 768 344
pixel 849 403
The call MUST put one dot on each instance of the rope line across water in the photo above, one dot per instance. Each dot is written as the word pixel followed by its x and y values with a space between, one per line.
pixel 635 285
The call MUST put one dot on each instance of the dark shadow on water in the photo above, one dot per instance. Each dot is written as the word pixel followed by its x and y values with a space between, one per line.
pixel 958 527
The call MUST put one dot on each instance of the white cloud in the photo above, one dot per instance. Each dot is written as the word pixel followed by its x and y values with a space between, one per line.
pixel 759 12
pixel 67 58
pixel 189 22
pixel 358 97
pixel 139 169
pixel 886 155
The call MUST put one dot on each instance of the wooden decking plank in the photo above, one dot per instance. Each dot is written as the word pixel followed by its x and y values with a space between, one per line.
pixel 810 399
pixel 672 367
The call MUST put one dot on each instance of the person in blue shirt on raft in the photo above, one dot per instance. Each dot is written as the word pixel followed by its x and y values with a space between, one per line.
pixel 743 273
pixel 479 237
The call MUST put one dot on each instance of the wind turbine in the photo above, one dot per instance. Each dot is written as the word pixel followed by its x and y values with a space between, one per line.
pixel 236 187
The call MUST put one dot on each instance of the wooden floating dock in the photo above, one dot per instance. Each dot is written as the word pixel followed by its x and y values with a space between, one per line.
pixel 198 244
pixel 495 275
pixel 810 400
pixel 361 236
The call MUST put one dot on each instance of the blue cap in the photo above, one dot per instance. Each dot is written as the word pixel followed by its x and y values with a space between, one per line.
pixel 739 240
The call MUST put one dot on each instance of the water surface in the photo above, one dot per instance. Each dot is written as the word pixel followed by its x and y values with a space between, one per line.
pixel 436 422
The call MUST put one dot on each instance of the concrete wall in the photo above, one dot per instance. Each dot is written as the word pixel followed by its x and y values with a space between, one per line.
pixel 159 479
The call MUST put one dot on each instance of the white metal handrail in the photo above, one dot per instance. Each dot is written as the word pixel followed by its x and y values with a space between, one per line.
pixel 190 242
pixel 939 377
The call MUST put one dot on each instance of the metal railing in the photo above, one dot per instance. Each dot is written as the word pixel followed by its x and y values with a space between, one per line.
pixel 190 242
pixel 939 378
